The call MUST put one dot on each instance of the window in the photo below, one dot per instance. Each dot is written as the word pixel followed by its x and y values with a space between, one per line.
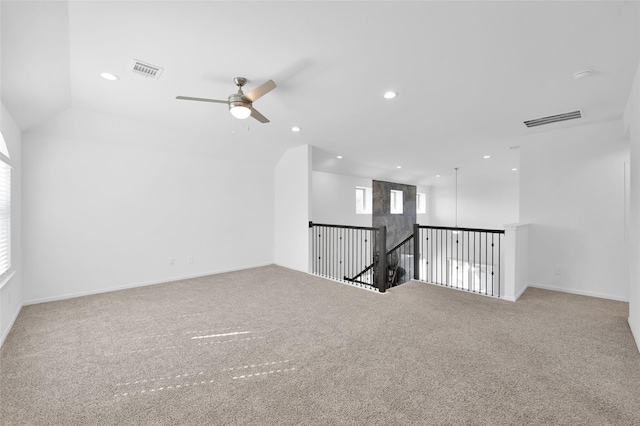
pixel 396 202
pixel 421 203
pixel 364 200
pixel 5 215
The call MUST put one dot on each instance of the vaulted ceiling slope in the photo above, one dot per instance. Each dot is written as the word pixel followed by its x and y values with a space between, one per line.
pixel 467 74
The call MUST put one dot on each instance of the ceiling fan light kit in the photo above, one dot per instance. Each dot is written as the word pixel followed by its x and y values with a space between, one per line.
pixel 241 104
pixel 239 110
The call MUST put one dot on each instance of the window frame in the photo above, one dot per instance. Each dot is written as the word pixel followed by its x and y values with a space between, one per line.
pixel 421 207
pixel 396 201
pixel 367 200
pixel 6 180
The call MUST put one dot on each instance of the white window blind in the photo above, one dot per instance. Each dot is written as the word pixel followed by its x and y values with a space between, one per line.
pixel 5 216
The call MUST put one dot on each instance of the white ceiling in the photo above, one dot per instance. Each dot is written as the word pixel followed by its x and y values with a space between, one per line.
pixel 467 74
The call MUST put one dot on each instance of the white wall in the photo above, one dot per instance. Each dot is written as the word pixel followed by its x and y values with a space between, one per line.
pixel 632 231
pixel 487 202
pixel 333 198
pixel 293 208
pixel 572 195
pixel 11 291
pixel 103 213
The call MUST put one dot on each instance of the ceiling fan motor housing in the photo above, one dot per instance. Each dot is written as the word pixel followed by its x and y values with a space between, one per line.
pixel 238 100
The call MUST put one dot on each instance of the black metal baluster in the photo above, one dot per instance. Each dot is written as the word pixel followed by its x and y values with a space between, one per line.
pixel 336 233
pixel 492 264
pixel 418 248
pixel 341 256
pixel 367 247
pixel 457 259
pixel 329 254
pixel 429 258
pixel 325 243
pixel 499 264
pixel 351 270
pixel 320 241
pixel 467 263
pixel 427 253
pixel 475 260
pixel 473 266
pixel 313 248
pixel 444 273
pixel 319 231
pixel 446 259
pixel 322 251
pixel 440 280
pixel 363 250
pixel 438 253
pixel 434 266
pixel 319 250
pixel 335 254
pixel 486 256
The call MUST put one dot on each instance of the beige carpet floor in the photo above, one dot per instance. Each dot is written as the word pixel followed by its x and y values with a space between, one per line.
pixel 271 346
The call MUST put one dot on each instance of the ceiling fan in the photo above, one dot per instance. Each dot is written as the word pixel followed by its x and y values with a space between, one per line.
pixel 241 104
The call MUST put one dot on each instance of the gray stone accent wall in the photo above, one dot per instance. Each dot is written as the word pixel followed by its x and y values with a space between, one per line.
pixel 399 226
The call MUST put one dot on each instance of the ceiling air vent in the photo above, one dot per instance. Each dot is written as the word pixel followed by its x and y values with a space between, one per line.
pixel 553 119
pixel 147 70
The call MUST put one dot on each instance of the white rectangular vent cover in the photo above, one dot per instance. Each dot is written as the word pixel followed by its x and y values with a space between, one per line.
pixel 147 70
pixel 554 118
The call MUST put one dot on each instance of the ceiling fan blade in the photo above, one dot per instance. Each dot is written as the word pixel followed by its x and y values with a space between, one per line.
pixel 188 98
pixel 261 118
pixel 260 91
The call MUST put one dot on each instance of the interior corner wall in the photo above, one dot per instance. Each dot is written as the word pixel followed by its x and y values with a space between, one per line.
pixel 103 215
pixel 293 208
pixel 632 115
pixel 572 197
pixel 11 292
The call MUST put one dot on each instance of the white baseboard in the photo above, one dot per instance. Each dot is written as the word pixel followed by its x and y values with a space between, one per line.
pixel 465 291
pixel 139 284
pixel 516 297
pixel 579 292
pixel 521 292
pixel 8 330
pixel 635 334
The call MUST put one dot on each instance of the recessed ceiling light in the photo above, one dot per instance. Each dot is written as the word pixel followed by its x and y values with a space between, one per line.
pixel 339 157
pixel 109 76
pixel 390 95
pixel 582 74
pixel 437 175
pixel 487 156
pixel 398 167
pixel 514 169
pixel 295 129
